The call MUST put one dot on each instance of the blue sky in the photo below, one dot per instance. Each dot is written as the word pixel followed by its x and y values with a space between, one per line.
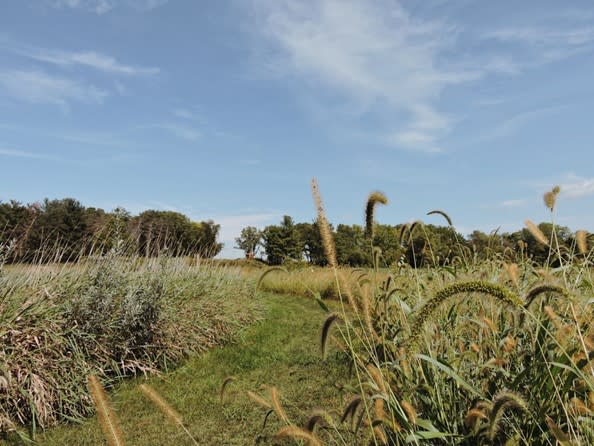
pixel 226 110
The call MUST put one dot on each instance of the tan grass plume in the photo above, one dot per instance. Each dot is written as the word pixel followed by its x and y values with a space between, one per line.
pixel 512 271
pixel 536 232
pixel 107 418
pixel 163 406
pixel 299 433
pixel 374 198
pixel 276 405
pixel 166 409
pixel 581 241
pixel 325 231
pixel 550 197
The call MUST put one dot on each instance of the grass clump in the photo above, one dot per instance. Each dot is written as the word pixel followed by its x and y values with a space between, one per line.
pixel 432 368
pixel 110 317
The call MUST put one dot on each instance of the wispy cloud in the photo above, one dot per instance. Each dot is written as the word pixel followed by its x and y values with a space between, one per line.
pixel 103 6
pixel 390 66
pixel 89 59
pixel 512 203
pixel 551 41
pixel 22 154
pixel 95 6
pixel 375 54
pixel 512 124
pixel 184 113
pixel 38 87
pixel 577 187
pixel 181 131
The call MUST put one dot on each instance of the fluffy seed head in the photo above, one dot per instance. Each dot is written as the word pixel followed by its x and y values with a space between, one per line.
pixel 512 271
pixel 325 231
pixel 550 197
pixel 107 419
pixel 536 232
pixel 276 405
pixel 298 433
pixel 581 240
pixel 163 406
pixel 374 198
pixel 410 411
pixel 472 416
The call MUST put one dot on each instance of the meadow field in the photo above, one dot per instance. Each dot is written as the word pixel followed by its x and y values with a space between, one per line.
pixel 476 351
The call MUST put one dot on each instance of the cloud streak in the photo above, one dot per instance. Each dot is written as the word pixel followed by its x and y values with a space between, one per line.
pixel 577 187
pixel 38 87
pixel 374 54
pixel 101 7
pixel 22 154
pixel 89 59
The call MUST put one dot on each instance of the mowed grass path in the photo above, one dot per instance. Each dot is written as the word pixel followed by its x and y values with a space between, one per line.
pixel 282 350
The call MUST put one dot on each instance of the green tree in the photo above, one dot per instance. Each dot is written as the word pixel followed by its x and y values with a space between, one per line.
pixel 281 242
pixel 351 246
pixel 311 243
pixel 60 231
pixel 204 237
pixel 249 241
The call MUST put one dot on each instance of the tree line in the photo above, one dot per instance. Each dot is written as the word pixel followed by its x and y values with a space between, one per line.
pixel 415 244
pixel 64 230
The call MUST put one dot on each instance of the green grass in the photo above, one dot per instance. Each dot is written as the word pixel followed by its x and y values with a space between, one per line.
pixel 282 350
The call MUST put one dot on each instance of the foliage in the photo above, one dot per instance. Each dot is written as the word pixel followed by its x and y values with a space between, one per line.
pixel 281 242
pixel 111 316
pixel 249 241
pixel 64 230
pixel 436 364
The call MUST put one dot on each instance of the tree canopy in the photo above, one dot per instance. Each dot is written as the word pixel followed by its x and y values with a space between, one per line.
pixel 64 230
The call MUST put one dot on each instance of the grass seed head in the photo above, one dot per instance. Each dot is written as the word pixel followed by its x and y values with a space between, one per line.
pixel 107 418
pixel 325 231
pixel 581 241
pixel 163 405
pixel 374 198
pixel 536 232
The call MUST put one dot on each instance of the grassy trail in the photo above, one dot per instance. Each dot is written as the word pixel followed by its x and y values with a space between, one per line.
pixel 282 350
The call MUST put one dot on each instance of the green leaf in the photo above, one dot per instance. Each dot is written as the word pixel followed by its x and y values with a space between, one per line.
pixel 448 370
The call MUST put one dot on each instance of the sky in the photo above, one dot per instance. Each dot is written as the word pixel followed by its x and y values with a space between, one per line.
pixel 225 110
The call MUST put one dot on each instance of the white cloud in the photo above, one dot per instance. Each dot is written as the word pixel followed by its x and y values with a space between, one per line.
pixel 374 54
pixel 22 154
pixel 38 87
pixel 90 59
pixel 577 187
pixel 545 43
pixel 512 203
pixel 96 6
pixel 103 6
pixel 182 131
pixel 512 124
pixel 183 113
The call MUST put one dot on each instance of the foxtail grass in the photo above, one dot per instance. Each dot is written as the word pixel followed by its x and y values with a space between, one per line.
pixel 373 199
pixel 107 417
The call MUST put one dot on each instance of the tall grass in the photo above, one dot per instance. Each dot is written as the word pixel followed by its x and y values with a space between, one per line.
pixel 111 316
pixel 487 353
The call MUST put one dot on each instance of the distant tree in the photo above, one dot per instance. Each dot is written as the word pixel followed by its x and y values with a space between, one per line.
pixel 249 241
pixel 351 246
pixel 386 238
pixel 204 239
pixel 281 242
pixel 172 233
pixel 16 221
pixel 311 243
pixel 59 232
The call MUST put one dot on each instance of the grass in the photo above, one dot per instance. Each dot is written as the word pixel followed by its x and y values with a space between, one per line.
pixel 282 350
pixel 113 317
